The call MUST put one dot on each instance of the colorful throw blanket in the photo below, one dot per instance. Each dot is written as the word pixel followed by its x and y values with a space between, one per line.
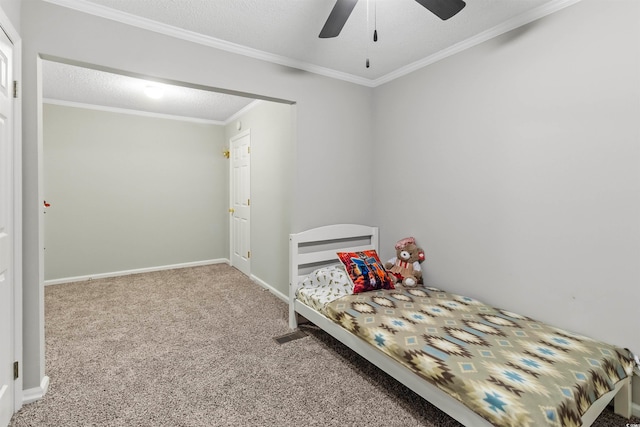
pixel 508 368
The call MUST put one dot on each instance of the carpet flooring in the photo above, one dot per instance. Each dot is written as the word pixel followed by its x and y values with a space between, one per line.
pixel 195 347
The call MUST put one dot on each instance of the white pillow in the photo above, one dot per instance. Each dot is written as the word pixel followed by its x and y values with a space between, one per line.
pixel 324 285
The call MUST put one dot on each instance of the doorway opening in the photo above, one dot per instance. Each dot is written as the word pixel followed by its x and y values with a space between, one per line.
pixel 114 175
pixel 127 190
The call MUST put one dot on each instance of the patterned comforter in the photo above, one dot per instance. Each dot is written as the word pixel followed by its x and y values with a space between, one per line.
pixel 510 369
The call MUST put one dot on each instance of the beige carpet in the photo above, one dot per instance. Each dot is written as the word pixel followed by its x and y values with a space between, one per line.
pixel 195 347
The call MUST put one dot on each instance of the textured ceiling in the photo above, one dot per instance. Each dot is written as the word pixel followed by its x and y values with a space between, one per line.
pixel 72 84
pixel 286 32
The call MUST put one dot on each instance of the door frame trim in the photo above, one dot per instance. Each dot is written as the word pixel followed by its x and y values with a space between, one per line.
pixel 16 40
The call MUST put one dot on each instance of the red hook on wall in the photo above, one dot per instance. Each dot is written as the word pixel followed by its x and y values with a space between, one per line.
pixel 46 205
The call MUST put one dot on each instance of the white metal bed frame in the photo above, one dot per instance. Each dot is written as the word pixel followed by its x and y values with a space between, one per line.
pixel 308 248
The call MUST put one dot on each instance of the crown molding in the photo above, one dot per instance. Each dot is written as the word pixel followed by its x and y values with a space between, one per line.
pixel 517 21
pixel 131 112
pixel 180 33
pixel 243 111
pixel 165 29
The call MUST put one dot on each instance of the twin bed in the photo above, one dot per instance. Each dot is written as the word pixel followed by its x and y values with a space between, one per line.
pixel 479 364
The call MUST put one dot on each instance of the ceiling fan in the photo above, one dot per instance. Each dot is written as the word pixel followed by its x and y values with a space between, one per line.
pixel 443 9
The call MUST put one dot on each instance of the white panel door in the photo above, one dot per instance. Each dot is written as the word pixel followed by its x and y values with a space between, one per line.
pixel 6 233
pixel 240 147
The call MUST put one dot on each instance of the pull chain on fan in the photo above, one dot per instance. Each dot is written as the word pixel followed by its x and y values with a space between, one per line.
pixel 375 26
pixel 443 9
pixel 375 20
pixel 367 48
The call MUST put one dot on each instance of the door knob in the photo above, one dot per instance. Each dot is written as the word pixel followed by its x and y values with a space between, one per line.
pixel 231 210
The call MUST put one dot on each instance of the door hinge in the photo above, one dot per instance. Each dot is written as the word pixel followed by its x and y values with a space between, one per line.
pixel 248 202
pixel 15 88
pixel 249 150
pixel 16 370
pixel 249 254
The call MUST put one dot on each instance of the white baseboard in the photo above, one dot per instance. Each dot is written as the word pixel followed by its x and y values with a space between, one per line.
pixel 32 394
pixel 635 410
pixel 270 288
pixel 135 271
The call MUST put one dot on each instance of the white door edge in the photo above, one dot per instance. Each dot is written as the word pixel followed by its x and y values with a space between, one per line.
pixel 15 212
pixel 246 269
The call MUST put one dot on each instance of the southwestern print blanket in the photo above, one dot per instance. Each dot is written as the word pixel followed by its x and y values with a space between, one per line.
pixel 508 368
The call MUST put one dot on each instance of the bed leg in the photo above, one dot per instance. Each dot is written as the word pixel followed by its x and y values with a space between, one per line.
pixel 293 319
pixel 622 400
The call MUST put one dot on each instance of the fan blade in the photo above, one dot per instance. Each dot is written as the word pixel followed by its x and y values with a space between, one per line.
pixel 337 18
pixel 443 9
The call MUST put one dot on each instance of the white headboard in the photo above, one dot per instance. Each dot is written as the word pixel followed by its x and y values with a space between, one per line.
pixel 316 247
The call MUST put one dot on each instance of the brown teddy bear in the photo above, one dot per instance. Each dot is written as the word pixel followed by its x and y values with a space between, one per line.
pixel 405 266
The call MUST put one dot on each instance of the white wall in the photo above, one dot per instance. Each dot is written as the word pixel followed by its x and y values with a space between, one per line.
pixel 11 8
pixel 273 169
pixel 516 165
pixel 130 192
pixel 332 124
